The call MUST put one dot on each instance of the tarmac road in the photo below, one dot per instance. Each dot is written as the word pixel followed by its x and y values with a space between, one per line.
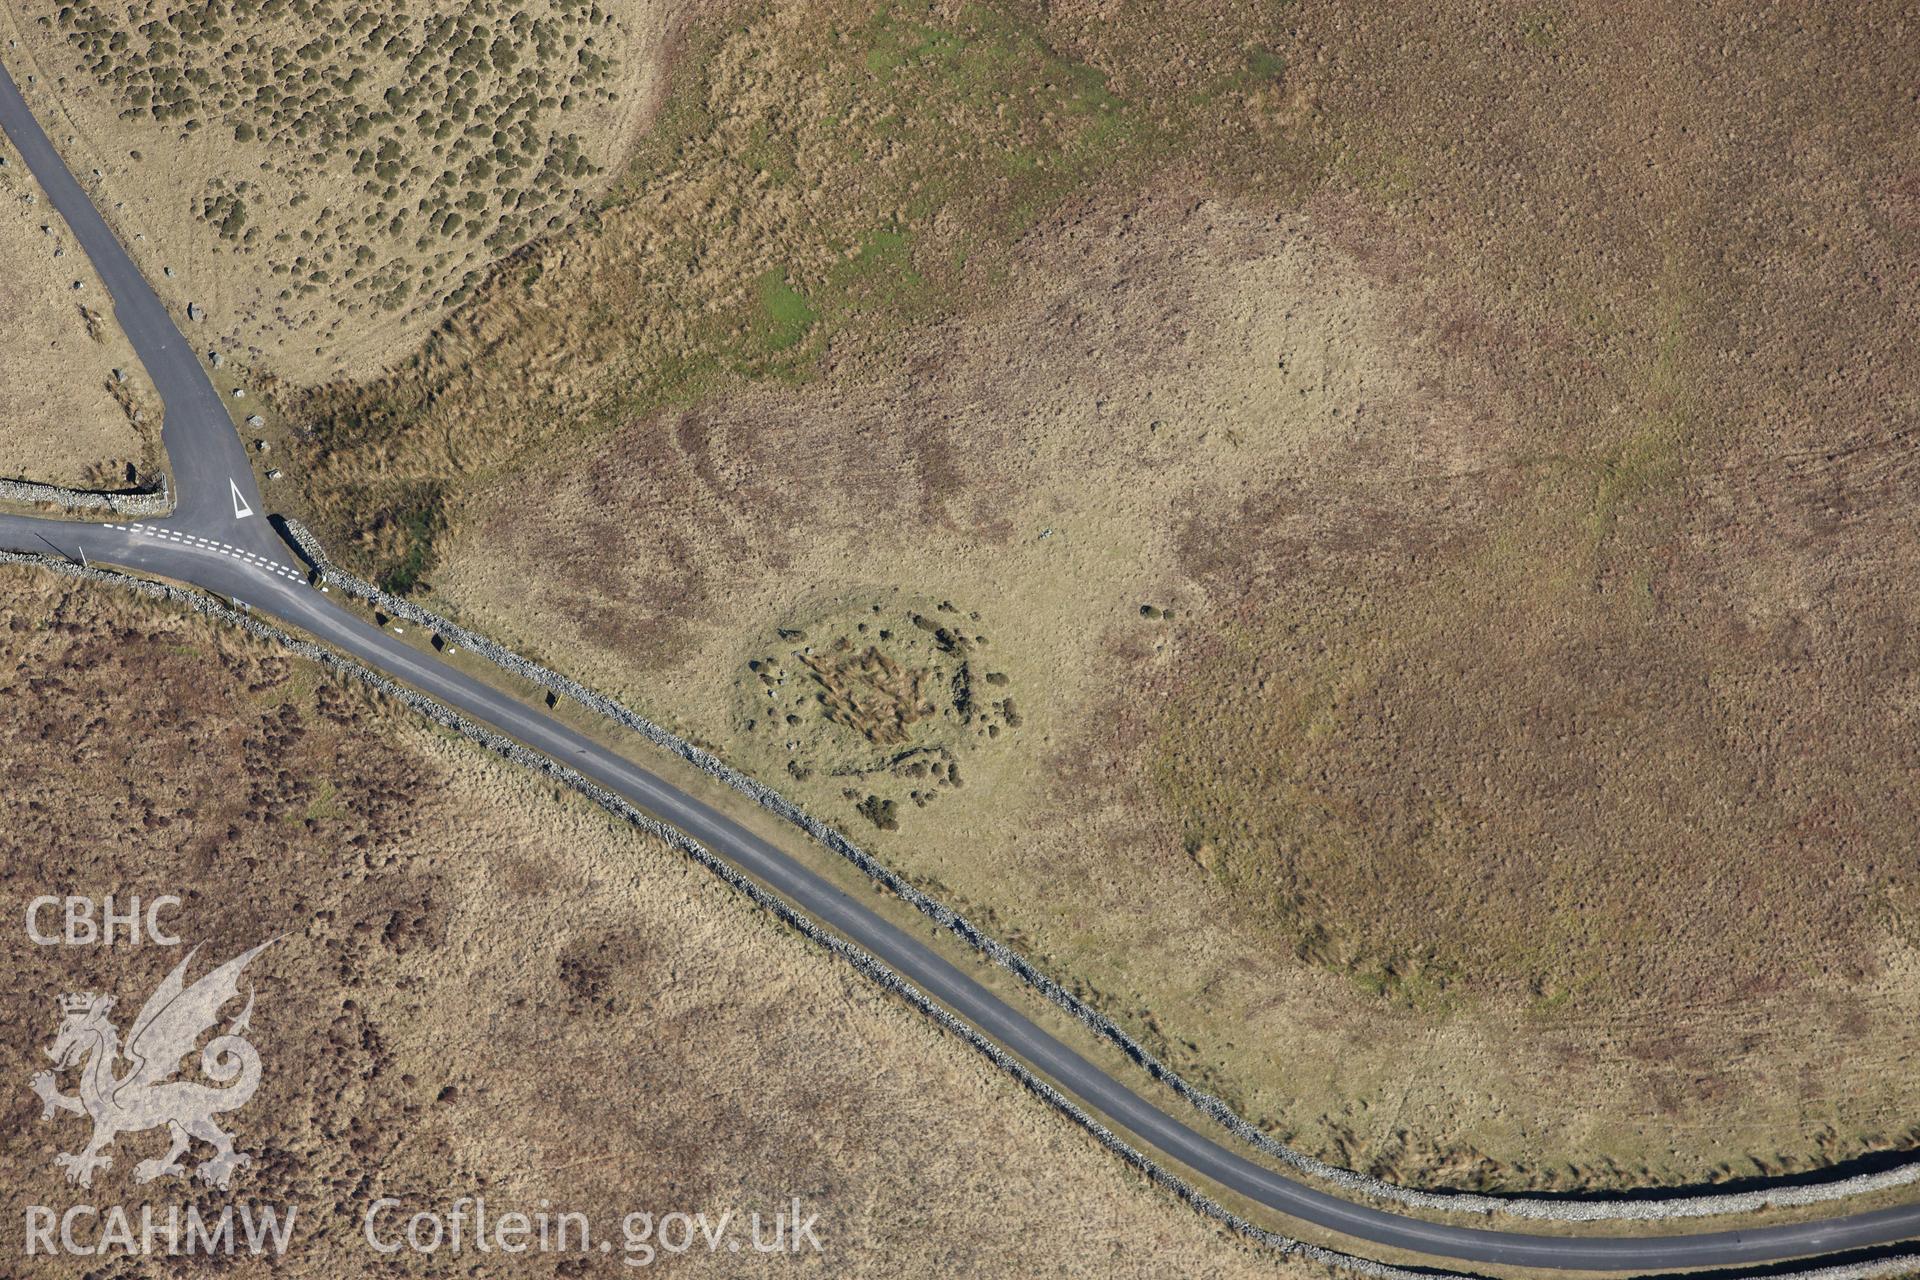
pixel 209 460
pixel 206 544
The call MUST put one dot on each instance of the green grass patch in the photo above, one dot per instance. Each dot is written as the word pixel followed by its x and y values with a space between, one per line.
pixel 785 313
pixel 325 805
pixel 1264 64
pixel 414 522
pixel 881 276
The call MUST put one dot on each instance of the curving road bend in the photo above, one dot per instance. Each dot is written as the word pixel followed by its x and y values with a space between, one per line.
pixel 218 540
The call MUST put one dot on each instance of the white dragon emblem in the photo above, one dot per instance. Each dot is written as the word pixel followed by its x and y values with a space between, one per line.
pixel 169 1025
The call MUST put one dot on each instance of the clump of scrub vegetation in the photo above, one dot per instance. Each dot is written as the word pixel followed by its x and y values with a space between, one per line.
pixel 398 148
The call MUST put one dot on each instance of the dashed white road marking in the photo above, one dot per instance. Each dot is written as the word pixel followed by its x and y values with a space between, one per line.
pixel 219 548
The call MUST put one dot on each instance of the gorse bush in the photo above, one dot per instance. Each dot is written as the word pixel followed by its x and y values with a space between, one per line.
pixel 448 119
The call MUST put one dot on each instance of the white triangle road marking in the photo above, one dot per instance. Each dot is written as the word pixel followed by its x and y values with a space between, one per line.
pixel 240 508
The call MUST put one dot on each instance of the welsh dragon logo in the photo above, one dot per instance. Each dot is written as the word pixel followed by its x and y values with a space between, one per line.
pixel 142 1096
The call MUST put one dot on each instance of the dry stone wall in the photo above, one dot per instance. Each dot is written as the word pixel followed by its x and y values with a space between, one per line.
pixel 134 505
